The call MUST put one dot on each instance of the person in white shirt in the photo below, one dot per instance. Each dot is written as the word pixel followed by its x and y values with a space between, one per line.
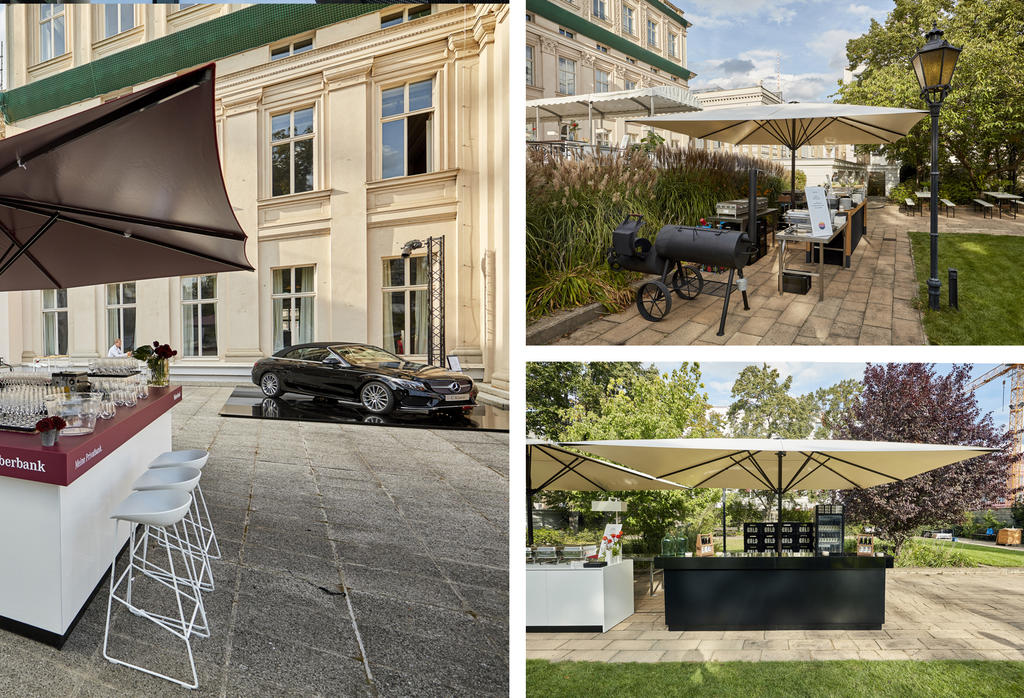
pixel 115 349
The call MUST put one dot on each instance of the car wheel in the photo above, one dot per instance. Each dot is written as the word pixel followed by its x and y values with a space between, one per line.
pixel 270 384
pixel 377 398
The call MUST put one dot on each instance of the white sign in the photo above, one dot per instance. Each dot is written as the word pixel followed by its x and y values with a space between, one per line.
pixel 817 207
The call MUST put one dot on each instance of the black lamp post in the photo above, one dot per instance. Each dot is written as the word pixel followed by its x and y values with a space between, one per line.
pixel 934 64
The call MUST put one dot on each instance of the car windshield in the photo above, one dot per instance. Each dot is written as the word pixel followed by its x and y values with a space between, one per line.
pixel 361 355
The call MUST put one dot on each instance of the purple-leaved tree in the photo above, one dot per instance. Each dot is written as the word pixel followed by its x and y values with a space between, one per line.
pixel 913 403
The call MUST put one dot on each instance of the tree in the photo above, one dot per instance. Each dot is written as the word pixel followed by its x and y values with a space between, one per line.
pixel 836 404
pixel 913 403
pixel 762 407
pixel 982 123
pixel 1017 512
pixel 636 403
pixel 554 387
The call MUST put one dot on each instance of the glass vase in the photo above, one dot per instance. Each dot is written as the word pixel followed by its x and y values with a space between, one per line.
pixel 159 372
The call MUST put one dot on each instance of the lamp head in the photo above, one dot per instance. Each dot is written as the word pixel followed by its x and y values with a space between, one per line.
pixel 934 64
pixel 408 247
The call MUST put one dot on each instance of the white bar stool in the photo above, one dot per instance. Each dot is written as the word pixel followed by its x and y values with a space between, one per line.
pixel 195 458
pixel 186 479
pixel 159 512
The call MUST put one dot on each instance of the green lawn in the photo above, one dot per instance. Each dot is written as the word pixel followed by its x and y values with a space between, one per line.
pixel 762 679
pixel 989 270
pixel 982 554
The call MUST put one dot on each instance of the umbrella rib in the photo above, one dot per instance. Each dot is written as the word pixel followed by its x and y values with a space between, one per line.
pixel 768 485
pixel 169 89
pixel 691 467
pixel 28 255
pixel 42 209
pixel 864 467
pixel 797 473
pixel 767 480
pixel 813 470
pixel 724 128
pixel 776 131
pixel 825 123
pixel 571 467
pixel 711 477
pixel 23 248
pixel 158 243
pixel 836 472
pixel 866 125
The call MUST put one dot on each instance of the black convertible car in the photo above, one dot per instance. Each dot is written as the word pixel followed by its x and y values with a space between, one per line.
pixel 361 374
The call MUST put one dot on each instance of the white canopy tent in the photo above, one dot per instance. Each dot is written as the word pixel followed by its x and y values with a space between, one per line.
pixel 551 467
pixel 793 125
pixel 649 101
pixel 780 465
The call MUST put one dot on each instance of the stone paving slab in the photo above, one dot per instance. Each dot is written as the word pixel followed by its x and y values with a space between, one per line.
pixel 930 614
pixel 353 564
pixel 871 303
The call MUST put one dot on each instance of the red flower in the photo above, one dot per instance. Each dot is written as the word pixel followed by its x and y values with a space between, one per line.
pixel 50 423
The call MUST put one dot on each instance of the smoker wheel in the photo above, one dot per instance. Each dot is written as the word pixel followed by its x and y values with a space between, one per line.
pixel 653 301
pixel 687 282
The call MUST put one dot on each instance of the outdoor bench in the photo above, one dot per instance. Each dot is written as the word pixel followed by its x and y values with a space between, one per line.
pixel 949 205
pixel 983 206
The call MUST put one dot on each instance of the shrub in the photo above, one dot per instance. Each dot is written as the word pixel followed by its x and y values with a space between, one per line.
pixel 572 207
pixel 564 536
pixel 918 554
pixel 903 190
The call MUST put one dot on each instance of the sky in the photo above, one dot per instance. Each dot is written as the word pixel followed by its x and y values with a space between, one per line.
pixel 718 378
pixel 733 43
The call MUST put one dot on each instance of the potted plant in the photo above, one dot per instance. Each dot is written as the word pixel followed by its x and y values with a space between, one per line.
pixel 158 359
pixel 49 429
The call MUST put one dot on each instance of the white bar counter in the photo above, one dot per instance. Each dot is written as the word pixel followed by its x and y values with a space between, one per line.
pixel 569 597
pixel 55 505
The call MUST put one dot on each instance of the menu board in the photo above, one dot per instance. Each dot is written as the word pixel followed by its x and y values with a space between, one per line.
pixel 817 207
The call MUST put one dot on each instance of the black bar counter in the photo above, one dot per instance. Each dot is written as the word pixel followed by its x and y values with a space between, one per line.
pixel 838 592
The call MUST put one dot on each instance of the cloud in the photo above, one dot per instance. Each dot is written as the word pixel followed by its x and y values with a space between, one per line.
pixel 863 11
pixel 736 65
pixel 831 46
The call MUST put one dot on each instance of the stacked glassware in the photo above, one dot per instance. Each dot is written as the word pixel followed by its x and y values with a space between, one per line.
pixel 22 405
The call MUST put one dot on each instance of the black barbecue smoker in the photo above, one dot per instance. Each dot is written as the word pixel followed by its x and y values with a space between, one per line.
pixel 679 250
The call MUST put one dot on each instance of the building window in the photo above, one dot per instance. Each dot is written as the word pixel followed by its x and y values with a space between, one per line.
pixel 599 9
pixel 602 49
pixel 406 310
pixel 652 33
pixel 672 39
pixel 630 60
pixel 627 20
pixel 121 313
pixel 529 17
pixel 55 321
pixel 199 315
pixel 390 20
pixel 407 129
pixel 51 31
pixel 529 65
pixel 655 70
pixel 566 33
pixel 293 297
pixel 600 80
pixel 629 84
pixel 291 49
pixel 566 76
pixel 117 18
pixel 291 152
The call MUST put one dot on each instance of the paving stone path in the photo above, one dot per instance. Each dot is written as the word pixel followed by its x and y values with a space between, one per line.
pixel 872 302
pixel 357 560
pixel 930 614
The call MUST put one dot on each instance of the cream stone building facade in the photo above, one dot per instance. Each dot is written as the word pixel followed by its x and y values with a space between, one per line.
pixel 339 143
pixel 591 46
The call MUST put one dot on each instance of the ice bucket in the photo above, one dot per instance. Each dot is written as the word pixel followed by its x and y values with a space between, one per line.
pixel 79 410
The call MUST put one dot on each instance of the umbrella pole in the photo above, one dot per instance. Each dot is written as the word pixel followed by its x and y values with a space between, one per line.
pixel 778 526
pixel 529 500
pixel 792 178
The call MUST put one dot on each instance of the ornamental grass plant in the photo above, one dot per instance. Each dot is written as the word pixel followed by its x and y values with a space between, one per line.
pixel 572 207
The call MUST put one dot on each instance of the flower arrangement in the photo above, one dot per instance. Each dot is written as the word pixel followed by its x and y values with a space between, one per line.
pixel 50 424
pixel 613 543
pixel 49 428
pixel 156 357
